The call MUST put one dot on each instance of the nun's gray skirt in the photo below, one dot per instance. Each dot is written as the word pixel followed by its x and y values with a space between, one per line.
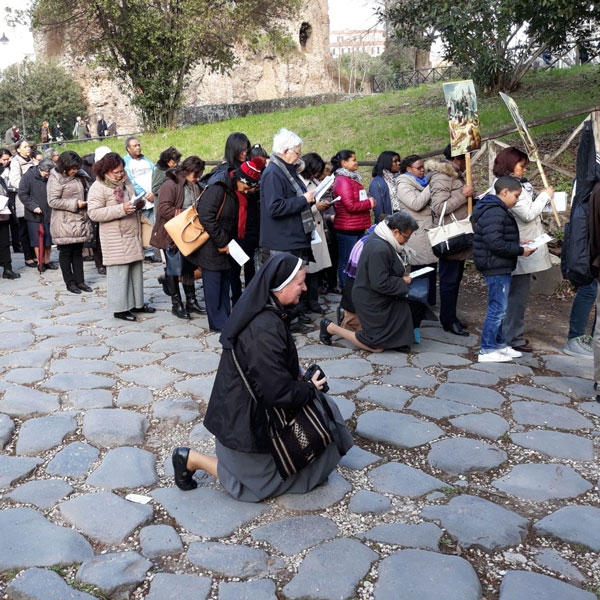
pixel 252 477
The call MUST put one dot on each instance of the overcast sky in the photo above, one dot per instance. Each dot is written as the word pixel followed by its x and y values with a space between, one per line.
pixel 20 40
pixel 352 14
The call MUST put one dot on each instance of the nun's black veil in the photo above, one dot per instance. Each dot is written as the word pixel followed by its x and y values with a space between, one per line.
pixel 276 270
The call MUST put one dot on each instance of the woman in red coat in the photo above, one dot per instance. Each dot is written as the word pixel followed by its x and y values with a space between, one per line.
pixel 353 210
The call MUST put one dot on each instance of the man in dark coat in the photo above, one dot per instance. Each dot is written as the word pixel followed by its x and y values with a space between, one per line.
pixel 496 246
pixel 284 203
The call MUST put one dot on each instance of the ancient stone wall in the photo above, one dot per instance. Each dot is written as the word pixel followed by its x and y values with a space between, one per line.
pixel 257 77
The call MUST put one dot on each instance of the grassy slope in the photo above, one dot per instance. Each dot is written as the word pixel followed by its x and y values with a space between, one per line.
pixel 410 121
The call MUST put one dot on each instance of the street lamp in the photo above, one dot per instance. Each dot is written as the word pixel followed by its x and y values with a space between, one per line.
pixel 5 41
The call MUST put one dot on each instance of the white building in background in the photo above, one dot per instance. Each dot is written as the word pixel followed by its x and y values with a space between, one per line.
pixel 348 41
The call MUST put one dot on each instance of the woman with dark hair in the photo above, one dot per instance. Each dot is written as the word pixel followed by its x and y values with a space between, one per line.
pixel 386 315
pixel 237 147
pixel 219 213
pixel 383 185
pixel 179 191
pixel 70 225
pixel 353 211
pixel 311 175
pixel 527 212
pixel 259 372
pixel 249 228
pixel 449 195
pixel 414 196
pixel 168 159
pixel 111 204
pixel 34 195
pixel 19 165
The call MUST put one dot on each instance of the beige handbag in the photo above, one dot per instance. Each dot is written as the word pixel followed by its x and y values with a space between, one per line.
pixel 146 231
pixel 186 231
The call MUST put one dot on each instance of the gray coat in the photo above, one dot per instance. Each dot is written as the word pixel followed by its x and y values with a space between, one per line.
pixel 416 200
pixel 69 224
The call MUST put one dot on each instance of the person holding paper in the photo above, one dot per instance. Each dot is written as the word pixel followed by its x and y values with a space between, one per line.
pixel 110 204
pixel 219 211
pixel 314 167
pixel 527 212
pixel 353 211
pixel 70 225
pixel 179 191
pixel 496 247
pixel 387 314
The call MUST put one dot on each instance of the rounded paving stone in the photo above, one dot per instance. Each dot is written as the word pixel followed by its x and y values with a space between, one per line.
pixel 74 460
pixel 7 428
pixel 476 522
pixel 160 540
pixel 167 586
pixel 347 367
pixel 26 376
pixel 556 444
pixel 194 363
pixel 42 433
pixel 180 410
pixel 125 468
pixel 24 402
pixel 575 524
pixel 470 394
pixel 42 584
pixel 549 415
pixel 295 534
pixel 487 425
pixel 517 585
pixel 134 396
pixel 403 431
pixel 260 589
pixel 42 494
pixel 402 480
pixel 410 377
pixel 542 482
pixel 13 468
pixel 385 395
pixel 425 536
pixel 114 427
pixel 365 502
pixel 424 575
pixel 459 456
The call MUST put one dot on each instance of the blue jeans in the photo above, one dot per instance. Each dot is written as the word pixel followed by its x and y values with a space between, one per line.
pixel 580 309
pixel 345 244
pixel 491 333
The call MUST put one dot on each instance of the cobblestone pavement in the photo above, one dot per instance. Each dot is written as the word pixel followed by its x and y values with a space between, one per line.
pixel 467 480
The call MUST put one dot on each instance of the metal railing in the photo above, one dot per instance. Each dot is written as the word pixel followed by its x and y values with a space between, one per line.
pixel 414 78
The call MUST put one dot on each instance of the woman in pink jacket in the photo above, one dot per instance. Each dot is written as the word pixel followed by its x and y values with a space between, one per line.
pixel 353 211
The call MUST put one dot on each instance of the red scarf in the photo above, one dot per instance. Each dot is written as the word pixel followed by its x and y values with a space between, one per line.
pixel 242 214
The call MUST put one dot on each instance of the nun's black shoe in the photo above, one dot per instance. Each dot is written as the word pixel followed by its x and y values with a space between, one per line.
pixel 324 335
pixel 184 479
pixel 10 274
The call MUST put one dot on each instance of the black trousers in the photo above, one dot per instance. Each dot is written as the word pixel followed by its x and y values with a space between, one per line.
pixel 5 258
pixel 70 259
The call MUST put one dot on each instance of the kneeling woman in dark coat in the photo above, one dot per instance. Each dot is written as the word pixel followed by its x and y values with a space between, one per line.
pixel 258 337
pixel 388 318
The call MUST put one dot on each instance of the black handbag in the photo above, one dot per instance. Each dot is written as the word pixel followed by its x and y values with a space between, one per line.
pixel 298 436
pixel 174 260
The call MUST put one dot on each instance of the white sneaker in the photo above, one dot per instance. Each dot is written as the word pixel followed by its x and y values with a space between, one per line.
pixel 580 346
pixel 494 356
pixel 510 351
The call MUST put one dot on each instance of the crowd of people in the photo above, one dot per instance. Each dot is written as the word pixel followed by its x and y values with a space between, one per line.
pixel 308 228
pixel 362 244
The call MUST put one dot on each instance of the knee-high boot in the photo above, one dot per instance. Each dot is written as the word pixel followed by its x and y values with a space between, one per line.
pixel 164 280
pixel 191 302
pixel 178 309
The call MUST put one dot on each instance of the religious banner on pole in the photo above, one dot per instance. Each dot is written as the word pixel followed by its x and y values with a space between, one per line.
pixel 463 120
pixel 530 146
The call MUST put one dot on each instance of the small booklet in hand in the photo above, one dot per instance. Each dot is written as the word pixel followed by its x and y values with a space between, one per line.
pixel 539 241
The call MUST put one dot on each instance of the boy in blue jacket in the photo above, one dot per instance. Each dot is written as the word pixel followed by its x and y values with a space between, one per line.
pixel 496 246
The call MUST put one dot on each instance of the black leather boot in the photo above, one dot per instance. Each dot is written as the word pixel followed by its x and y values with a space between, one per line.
pixel 166 283
pixel 178 309
pixel 191 302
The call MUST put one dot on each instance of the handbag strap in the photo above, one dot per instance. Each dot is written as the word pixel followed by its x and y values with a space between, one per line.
pixel 443 213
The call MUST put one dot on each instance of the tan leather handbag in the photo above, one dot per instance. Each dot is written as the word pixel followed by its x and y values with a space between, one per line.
pixel 187 232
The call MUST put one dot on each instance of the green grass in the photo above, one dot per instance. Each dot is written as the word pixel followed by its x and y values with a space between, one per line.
pixel 409 121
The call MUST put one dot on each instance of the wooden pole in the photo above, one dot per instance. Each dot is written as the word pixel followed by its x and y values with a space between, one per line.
pixel 545 182
pixel 468 180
